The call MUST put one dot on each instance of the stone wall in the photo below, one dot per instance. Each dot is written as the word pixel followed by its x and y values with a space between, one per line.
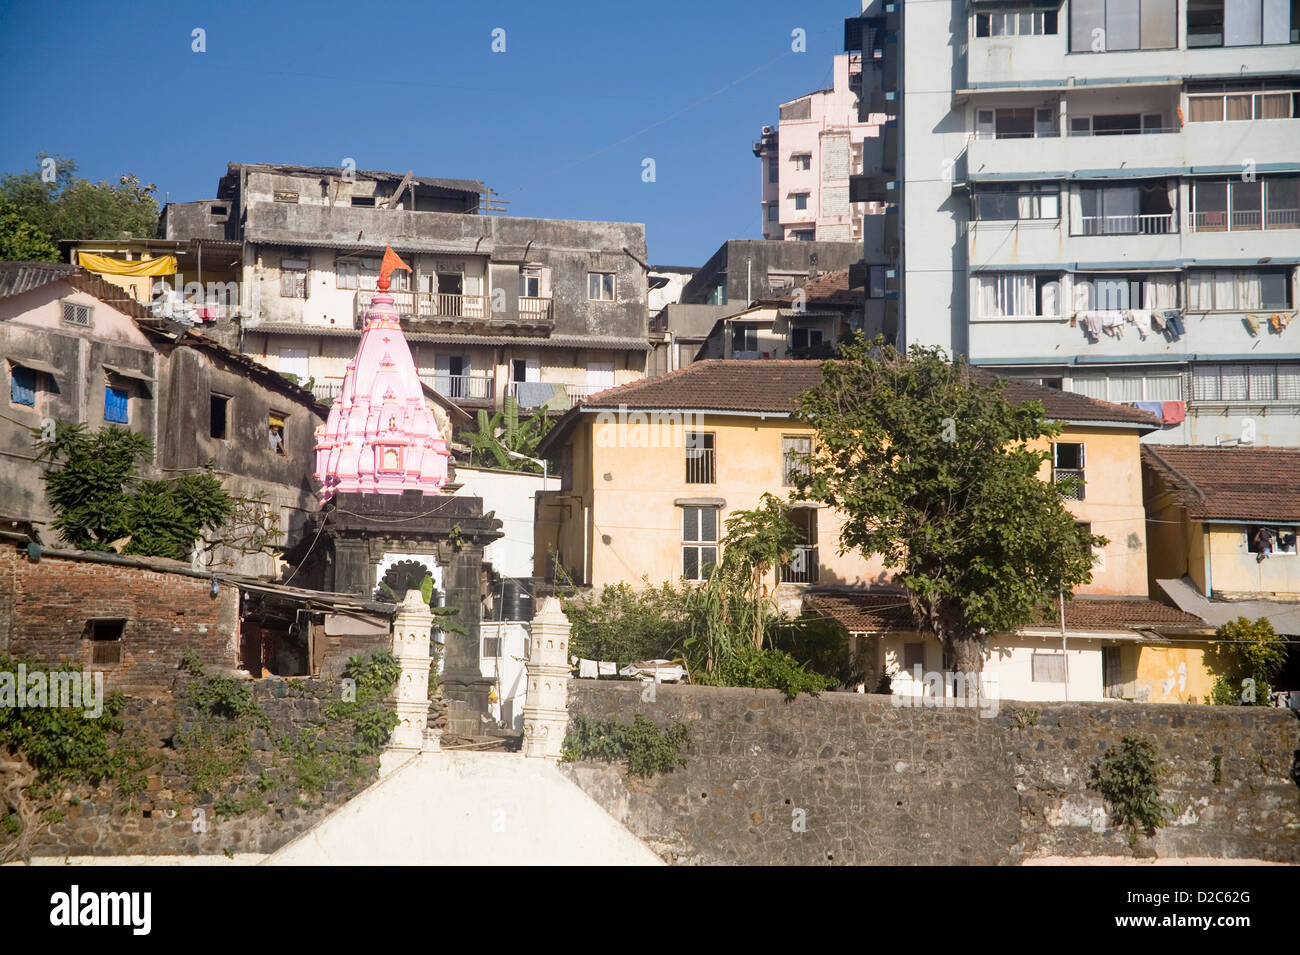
pixel 168 819
pixel 850 779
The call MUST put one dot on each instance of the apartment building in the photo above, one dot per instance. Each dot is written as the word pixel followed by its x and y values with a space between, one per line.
pixel 543 310
pixel 1101 195
pixel 808 156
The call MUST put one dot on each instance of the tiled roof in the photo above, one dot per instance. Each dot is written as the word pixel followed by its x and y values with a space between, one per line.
pixel 862 611
pixel 1118 613
pixel 727 385
pixel 19 277
pixel 829 289
pixel 1236 483
pixel 865 611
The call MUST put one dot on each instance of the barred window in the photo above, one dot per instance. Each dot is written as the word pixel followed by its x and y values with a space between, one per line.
pixel 699 457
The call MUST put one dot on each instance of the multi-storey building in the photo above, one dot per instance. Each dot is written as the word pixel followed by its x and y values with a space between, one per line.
pixel 544 310
pixel 1103 195
pixel 808 157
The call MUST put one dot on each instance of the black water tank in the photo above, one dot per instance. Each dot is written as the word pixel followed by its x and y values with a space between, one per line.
pixel 516 599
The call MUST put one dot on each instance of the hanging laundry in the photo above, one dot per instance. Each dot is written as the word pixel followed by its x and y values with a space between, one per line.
pixel 1252 323
pixel 1092 322
pixel 587 669
pixel 1174 321
pixel 1154 407
pixel 1158 320
pixel 1174 412
pixel 1278 321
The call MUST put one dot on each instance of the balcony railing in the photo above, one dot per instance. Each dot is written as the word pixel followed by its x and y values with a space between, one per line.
pixel 1065 476
pixel 1246 220
pixel 327 389
pixel 427 306
pixel 461 387
pixel 802 568
pixel 1159 224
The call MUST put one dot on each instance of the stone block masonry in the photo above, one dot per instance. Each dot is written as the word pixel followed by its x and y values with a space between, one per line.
pixel 850 779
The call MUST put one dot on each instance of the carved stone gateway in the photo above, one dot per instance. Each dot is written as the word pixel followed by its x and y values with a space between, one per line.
pixel 546 706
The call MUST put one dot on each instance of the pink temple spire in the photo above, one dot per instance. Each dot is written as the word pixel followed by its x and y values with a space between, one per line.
pixel 381 436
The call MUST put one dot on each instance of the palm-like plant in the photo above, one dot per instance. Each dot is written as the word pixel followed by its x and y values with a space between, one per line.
pixel 503 433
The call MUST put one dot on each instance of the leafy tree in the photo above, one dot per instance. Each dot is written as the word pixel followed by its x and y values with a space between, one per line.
pixel 1128 777
pixel 622 623
pixel 20 240
pixel 504 432
pixel 100 503
pixel 70 207
pixel 1247 658
pixel 934 470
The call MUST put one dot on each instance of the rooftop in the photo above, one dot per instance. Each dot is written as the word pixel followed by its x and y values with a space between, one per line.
pixel 1235 483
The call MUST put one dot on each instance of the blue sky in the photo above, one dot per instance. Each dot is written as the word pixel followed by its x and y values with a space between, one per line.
pixel 558 124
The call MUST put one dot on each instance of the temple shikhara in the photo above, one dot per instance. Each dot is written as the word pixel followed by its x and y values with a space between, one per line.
pixel 381 436
pixel 388 514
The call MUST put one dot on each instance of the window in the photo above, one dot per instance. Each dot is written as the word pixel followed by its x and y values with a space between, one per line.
pixel 293 278
pixel 1270 539
pixel 1048 667
pixel 286 197
pixel 802 235
pixel 368 201
pixel 1067 468
pixel 1242 22
pixel 530 283
pixel 1016 22
pixel 1129 386
pixel 491 647
pixel 795 452
pixel 116 404
pixel 699 541
pixel 1026 123
pixel 105 641
pixel 699 457
pixel 1123 290
pixel 275 432
pixel 801 200
pixel 218 415
pixel 23 385
pixel 600 286
pixel 1018 295
pixel 804 338
pixel 913 657
pixel 1234 103
pixel 1112 673
pixel 773 212
pixel 74 314
pixel 1100 26
pixel 744 338
pixel 1231 290
pixel 1024 201
pixel 803 565
pixel 773 169
pixel 802 161
pixel 1085 528
pixel 1142 207
pixel 293 361
pixel 1254 382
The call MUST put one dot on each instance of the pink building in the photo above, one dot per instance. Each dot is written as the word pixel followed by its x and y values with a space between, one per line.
pixel 808 158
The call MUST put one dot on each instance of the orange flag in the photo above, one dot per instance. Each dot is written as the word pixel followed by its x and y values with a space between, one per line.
pixel 391 261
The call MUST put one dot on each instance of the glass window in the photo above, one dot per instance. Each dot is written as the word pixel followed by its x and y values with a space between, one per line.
pixel 600 286
pixel 801 200
pixel 699 541
pixel 795 450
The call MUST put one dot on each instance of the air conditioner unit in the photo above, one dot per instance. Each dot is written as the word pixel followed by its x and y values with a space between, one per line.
pixel 768 130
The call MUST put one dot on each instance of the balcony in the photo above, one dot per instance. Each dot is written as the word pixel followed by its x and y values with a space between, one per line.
pixel 803 566
pixel 473 389
pixel 469 314
pixel 553 396
pixel 1159 224
pixel 1250 220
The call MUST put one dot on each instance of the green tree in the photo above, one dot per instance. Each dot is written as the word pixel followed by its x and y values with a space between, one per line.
pixel 757 542
pixel 66 206
pixel 1247 658
pixel 933 469
pixel 505 432
pixel 20 240
pixel 93 485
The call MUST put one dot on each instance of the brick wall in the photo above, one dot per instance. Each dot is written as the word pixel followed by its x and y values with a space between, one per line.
pixel 50 601
pixel 850 779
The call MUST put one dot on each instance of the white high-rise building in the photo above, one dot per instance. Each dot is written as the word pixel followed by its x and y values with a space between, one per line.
pixel 1101 194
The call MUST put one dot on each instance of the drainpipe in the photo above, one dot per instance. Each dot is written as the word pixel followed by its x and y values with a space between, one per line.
pixel 1060 595
pixel 1205 531
pixel 749 282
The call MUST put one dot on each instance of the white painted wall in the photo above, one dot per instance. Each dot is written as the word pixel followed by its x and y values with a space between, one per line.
pixel 511 494
pixel 508 672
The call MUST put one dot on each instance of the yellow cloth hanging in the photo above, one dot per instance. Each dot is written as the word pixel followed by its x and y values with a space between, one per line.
pixel 103 265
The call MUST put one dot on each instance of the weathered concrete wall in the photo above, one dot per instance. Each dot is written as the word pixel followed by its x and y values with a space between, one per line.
pixel 872 783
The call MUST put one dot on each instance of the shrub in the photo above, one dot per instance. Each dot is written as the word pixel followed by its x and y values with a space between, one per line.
pixel 764 669
pixel 1247 659
pixel 646 748
pixel 1128 778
